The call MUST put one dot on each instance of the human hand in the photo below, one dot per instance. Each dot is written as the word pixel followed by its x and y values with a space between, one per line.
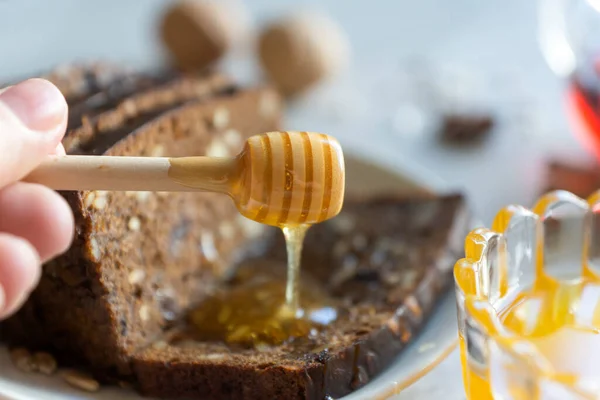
pixel 36 223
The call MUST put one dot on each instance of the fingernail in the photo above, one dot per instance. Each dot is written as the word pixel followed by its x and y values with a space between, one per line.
pixel 37 103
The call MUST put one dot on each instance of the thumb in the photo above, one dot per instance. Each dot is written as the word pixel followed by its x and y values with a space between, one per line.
pixel 33 119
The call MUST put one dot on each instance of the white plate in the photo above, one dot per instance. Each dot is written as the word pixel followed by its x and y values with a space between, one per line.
pixel 435 342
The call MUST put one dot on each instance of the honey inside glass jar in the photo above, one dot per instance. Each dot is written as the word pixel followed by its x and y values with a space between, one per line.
pixel 528 294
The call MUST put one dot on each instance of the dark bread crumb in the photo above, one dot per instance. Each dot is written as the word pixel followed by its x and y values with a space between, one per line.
pixel 465 129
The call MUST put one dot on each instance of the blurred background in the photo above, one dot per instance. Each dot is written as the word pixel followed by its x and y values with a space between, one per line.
pixel 408 61
pixel 458 94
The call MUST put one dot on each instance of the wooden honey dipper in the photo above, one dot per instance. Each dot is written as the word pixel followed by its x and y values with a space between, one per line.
pixel 279 178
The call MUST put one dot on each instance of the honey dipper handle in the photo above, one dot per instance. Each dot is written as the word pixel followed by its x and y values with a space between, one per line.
pixel 134 173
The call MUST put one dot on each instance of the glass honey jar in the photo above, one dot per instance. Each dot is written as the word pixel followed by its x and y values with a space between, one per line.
pixel 528 295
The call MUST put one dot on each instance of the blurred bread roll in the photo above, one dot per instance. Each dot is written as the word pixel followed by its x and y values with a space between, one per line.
pixel 300 50
pixel 197 33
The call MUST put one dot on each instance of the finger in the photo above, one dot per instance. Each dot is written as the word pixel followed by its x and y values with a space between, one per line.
pixel 33 118
pixel 19 272
pixel 39 215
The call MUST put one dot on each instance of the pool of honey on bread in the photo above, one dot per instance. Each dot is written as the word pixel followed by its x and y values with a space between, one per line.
pixel 254 311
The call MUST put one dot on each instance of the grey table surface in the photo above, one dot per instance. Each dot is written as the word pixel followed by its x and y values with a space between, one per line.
pixel 495 40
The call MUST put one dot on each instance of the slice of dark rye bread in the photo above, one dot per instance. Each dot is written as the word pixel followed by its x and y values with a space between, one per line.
pixel 139 259
pixel 387 260
pixel 118 297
